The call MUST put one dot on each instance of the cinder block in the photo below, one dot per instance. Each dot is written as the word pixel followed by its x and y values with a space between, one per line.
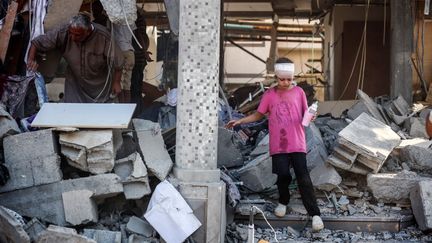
pixel 79 207
pixel 45 201
pixel 103 236
pixel 421 204
pixel 30 145
pixel 152 148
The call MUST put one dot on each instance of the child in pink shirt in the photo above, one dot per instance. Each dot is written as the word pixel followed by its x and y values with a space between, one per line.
pixel 285 106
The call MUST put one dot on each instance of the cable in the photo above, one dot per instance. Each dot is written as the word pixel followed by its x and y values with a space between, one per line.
pixel 274 232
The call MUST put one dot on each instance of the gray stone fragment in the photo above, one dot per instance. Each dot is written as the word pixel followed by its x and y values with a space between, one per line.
pixel 134 176
pixel 33 228
pixel 229 155
pixel 11 230
pixel 316 150
pixel 357 109
pixel 418 127
pixel 46 200
pixel 103 236
pixel 262 147
pixel 63 235
pixel 417 158
pixel 393 187
pixel 139 226
pixel 257 175
pixel 79 207
pixel 133 238
pixel 421 204
pixel 89 150
pixel 372 107
pixel 325 177
pixel 152 148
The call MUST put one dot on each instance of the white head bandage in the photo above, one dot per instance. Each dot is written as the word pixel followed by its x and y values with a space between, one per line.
pixel 284 70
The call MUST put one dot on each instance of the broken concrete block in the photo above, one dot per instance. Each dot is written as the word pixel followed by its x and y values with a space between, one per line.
pixel 257 174
pixel 229 155
pixel 28 157
pixel 103 236
pixel 11 230
pixel 61 234
pixel 139 226
pixel 89 150
pixel 133 238
pixel 262 147
pixel 33 228
pixel 134 176
pixel 30 145
pixel 316 150
pixel 8 125
pixel 325 177
pixel 152 148
pixel 416 157
pixel 418 127
pixel 393 187
pixel 47 202
pixel 364 145
pixel 25 174
pixel 79 207
pixel 421 204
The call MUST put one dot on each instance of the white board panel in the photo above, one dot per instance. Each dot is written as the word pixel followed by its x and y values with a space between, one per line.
pixel 84 115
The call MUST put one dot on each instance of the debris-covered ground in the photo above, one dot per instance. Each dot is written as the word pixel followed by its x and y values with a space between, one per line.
pixel 372 162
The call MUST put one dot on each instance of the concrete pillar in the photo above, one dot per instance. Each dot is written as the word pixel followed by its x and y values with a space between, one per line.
pixel 197 116
pixel 402 25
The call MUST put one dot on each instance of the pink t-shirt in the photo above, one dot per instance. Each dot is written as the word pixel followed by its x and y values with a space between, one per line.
pixel 285 109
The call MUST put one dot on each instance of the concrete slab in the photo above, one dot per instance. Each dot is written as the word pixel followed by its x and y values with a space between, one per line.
pixel 393 187
pixel 139 226
pixel 371 106
pixel 257 174
pixel 89 150
pixel 61 234
pixel 421 204
pixel 325 177
pixel 33 228
pixel 103 236
pixel 46 200
pixel 152 148
pixel 79 207
pixel 419 142
pixel 11 230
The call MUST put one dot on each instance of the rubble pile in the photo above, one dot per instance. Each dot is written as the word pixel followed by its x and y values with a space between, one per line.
pixel 87 185
pixel 372 161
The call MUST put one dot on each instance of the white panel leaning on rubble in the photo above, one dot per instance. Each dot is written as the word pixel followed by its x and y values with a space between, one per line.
pixel 89 150
pixel 364 145
pixel 170 215
pixel 152 147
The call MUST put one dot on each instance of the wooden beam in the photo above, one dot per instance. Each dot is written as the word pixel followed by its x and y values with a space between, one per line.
pixel 7 29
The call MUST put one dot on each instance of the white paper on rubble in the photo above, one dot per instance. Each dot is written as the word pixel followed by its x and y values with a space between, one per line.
pixel 170 214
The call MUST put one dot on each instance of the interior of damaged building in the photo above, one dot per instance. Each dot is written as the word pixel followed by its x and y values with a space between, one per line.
pixel 158 159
